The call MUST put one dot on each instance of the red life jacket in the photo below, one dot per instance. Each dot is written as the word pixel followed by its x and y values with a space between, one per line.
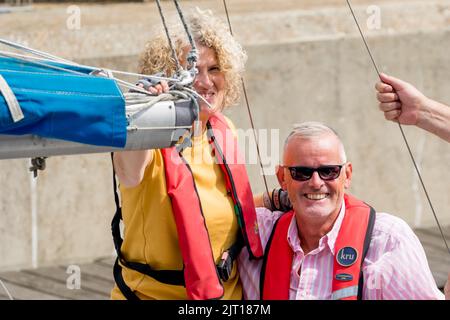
pixel 350 250
pixel 200 273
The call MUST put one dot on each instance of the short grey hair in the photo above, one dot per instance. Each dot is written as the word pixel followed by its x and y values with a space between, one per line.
pixel 312 129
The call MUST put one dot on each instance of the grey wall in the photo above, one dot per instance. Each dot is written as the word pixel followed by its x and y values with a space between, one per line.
pixel 333 81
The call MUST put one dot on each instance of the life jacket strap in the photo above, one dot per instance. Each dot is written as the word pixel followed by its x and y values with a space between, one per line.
pixel 367 240
pixel 225 265
pixel 118 278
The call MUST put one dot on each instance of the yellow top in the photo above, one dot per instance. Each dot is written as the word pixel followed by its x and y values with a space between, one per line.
pixel 150 234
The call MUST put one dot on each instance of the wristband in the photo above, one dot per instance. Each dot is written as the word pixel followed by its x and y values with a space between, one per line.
pixel 276 199
pixel 267 202
pixel 285 203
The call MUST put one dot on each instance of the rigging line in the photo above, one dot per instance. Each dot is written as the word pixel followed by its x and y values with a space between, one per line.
pixel 6 290
pixel 169 39
pixel 44 64
pixel 186 28
pixel 402 132
pixel 74 64
pixel 195 93
pixel 193 53
pixel 248 107
pixel 137 74
pixel 33 51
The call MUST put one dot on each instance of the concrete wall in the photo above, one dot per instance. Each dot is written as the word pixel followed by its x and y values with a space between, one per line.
pixel 292 83
pixel 306 62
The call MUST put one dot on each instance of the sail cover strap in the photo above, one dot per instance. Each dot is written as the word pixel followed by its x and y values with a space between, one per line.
pixel 11 100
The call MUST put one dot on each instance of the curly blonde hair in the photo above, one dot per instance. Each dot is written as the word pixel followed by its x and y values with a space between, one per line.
pixel 206 30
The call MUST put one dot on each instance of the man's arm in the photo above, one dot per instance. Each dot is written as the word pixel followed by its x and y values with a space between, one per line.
pixel 402 102
pixel 436 119
pixel 275 200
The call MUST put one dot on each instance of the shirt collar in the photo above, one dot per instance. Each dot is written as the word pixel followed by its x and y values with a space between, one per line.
pixel 328 239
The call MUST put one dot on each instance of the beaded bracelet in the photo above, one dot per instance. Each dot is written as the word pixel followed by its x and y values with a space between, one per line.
pixel 285 203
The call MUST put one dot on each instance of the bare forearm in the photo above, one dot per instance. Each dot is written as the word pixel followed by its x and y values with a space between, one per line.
pixel 130 166
pixel 435 118
pixel 258 200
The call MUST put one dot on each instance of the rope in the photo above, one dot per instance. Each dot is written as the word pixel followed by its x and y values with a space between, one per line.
pixel 6 290
pixel 72 63
pixel 44 63
pixel 248 109
pixel 401 130
pixel 169 39
pixel 137 105
pixel 193 54
pixel 195 93
pixel 33 51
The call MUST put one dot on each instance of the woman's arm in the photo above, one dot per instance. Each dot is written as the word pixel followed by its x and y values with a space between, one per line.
pixel 130 166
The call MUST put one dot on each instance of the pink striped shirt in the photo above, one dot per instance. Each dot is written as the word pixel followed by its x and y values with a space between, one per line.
pixel 395 267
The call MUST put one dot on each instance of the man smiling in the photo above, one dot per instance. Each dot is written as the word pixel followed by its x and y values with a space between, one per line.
pixel 331 245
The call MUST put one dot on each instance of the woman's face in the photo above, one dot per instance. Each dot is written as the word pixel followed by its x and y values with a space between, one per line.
pixel 209 82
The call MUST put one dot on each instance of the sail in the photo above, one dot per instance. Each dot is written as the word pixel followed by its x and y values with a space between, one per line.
pixel 62 101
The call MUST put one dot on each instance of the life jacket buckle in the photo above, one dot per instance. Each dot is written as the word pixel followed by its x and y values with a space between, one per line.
pixel 225 266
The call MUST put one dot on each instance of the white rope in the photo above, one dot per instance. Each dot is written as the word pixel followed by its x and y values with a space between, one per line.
pixel 136 102
pixel 133 108
pixel 43 56
pixel 6 290
pixel 33 51
pixel 195 93
pixel 11 100
pixel 7 54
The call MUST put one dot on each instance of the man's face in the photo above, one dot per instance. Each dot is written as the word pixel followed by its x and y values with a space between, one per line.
pixel 315 197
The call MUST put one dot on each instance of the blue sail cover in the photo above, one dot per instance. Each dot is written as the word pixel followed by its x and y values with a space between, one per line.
pixel 63 105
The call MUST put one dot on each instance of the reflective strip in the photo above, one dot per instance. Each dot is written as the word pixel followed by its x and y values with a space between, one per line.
pixel 11 101
pixel 345 293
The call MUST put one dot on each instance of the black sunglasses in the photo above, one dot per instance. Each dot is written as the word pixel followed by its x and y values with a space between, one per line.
pixel 326 173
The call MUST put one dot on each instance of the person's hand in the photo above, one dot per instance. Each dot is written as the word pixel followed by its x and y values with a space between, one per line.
pixel 447 288
pixel 400 101
pixel 157 89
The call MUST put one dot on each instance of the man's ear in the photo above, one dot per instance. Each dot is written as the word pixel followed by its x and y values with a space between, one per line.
pixel 281 177
pixel 348 175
